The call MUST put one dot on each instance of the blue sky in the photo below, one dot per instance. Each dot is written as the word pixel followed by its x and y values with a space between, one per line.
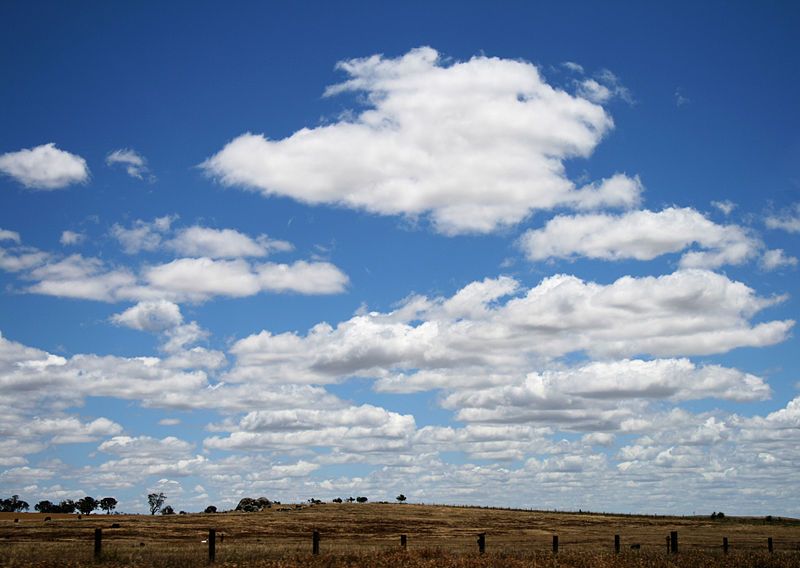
pixel 493 253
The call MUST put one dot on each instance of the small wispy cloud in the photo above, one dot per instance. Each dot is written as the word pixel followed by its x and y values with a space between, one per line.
pixel 680 98
pixel 603 87
pixel 572 66
pixel 72 238
pixel 727 206
pixel 134 163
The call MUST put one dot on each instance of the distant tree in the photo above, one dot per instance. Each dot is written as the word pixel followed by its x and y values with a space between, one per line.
pixel 211 509
pixel 87 505
pixel 155 501
pixel 108 504
pixel 44 506
pixel 720 515
pixel 337 500
pixel 362 499
pixel 351 499
pixel 250 505
pixel 401 498
pixel 67 506
pixel 13 505
pixel 168 510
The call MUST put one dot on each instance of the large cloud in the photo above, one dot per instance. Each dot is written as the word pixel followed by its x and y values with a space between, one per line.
pixel 476 144
pixel 44 167
pixel 475 332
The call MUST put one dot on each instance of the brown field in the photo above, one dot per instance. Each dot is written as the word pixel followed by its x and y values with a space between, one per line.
pixel 369 535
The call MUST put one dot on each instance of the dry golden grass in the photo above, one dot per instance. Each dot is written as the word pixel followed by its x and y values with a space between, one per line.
pixel 368 535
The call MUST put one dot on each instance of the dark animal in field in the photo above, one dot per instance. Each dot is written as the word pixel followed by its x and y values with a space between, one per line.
pixel 636 546
pixel 115 526
pixel 46 519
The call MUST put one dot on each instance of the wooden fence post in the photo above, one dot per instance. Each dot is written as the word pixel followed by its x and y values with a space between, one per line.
pixel 212 545
pixel 315 542
pixel 555 544
pixel 482 543
pixel 668 547
pixel 725 545
pixel 403 541
pixel 769 544
pixel 673 537
pixel 98 542
pixel 616 543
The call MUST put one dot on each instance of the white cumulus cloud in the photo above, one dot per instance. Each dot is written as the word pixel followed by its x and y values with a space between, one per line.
pixel 223 243
pixel 476 145
pixel 44 167
pixel 641 235
pixel 157 315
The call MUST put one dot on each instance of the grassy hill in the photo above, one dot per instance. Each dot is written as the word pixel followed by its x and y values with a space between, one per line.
pixel 363 534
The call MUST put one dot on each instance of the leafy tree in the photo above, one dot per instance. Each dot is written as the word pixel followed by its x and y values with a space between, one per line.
pixel 66 506
pixel 250 505
pixel 351 499
pixel 337 500
pixel 13 505
pixel 211 509
pixel 362 499
pixel 401 498
pixel 108 504
pixel 44 506
pixel 168 510
pixel 155 501
pixel 87 505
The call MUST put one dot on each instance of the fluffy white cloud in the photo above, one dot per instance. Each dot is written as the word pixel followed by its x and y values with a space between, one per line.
pixel 44 167
pixel 600 395
pixel 200 278
pixel 476 144
pixel 776 258
pixel 12 236
pixel 786 220
pixel 79 277
pixel 157 315
pixel 302 277
pixel 642 235
pixel 478 337
pixel 134 163
pixel 69 238
pixel 363 429
pixel 726 206
pixel 223 243
pixel 142 235
pixel 70 430
pixel 184 279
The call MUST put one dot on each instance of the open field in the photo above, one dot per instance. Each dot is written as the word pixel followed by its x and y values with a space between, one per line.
pixel 368 535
